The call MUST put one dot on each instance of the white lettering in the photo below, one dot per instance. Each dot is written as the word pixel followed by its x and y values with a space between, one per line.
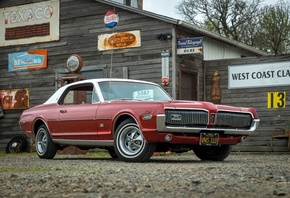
pixel 21 15
pixel 30 14
pixel 38 13
pixel 48 11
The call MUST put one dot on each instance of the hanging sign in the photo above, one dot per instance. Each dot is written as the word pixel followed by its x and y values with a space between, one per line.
pixel 111 19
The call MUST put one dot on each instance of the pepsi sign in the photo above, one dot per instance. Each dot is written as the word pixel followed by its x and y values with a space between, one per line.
pixel 111 19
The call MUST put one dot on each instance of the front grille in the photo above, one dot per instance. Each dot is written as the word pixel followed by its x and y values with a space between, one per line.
pixel 233 120
pixel 186 117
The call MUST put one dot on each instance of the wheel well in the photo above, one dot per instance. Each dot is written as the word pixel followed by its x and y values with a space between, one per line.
pixel 37 124
pixel 120 119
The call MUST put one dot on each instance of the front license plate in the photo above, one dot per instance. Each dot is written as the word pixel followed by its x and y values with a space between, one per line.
pixel 209 139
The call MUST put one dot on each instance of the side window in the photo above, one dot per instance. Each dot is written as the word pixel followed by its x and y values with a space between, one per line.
pixel 79 94
pixel 95 97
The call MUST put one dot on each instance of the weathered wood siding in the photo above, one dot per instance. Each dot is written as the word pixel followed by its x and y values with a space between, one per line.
pixel 252 97
pixel 81 21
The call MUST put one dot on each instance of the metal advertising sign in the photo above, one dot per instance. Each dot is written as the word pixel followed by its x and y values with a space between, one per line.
pixel 29 23
pixel 165 67
pixel 111 19
pixel 33 59
pixel 189 45
pixel 15 98
pixel 119 40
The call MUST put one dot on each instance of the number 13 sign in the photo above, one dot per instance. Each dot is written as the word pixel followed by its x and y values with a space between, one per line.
pixel 276 100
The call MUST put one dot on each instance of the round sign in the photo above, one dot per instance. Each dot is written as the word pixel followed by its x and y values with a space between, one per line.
pixel 74 63
pixel 111 19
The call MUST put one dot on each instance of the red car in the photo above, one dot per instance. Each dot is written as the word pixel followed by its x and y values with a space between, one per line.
pixel 133 119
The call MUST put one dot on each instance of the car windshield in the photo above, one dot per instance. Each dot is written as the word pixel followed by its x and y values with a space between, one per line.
pixel 132 91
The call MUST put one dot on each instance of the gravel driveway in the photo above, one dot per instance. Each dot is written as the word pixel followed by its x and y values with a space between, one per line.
pixel 240 175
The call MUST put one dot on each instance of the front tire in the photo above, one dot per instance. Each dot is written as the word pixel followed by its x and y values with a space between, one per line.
pixel 45 148
pixel 129 143
pixel 214 153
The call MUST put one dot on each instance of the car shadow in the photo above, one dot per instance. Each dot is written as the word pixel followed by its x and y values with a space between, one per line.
pixel 159 160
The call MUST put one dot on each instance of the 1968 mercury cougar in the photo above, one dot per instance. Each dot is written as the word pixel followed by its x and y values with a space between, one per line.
pixel 133 119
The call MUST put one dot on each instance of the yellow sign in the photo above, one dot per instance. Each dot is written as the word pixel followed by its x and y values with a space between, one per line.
pixel 277 100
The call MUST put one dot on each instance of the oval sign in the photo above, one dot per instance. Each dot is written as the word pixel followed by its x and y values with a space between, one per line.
pixel 111 19
pixel 121 40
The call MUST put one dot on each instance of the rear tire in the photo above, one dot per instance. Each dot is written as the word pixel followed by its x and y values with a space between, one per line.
pixel 129 143
pixel 45 148
pixel 214 153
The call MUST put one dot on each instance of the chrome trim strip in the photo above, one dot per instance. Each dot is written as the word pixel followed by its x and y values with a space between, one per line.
pixel 84 142
pixel 160 124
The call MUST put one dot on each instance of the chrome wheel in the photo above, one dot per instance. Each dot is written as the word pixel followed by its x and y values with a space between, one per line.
pixel 44 145
pixel 131 140
pixel 130 144
pixel 41 141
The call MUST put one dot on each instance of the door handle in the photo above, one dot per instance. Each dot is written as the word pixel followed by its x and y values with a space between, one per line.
pixel 62 111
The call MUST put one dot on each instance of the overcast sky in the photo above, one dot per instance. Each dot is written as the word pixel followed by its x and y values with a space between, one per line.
pixel 166 7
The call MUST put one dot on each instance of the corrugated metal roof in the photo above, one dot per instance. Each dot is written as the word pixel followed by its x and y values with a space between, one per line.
pixel 185 25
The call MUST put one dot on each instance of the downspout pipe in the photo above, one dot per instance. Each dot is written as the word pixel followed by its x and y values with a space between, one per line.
pixel 173 60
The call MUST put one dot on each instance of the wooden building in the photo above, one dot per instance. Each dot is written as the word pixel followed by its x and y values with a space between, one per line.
pixel 79 28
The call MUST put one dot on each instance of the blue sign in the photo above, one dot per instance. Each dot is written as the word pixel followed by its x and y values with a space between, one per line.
pixel 189 45
pixel 33 59
pixel 189 42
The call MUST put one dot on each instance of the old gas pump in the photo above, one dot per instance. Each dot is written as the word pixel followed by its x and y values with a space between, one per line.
pixel 74 64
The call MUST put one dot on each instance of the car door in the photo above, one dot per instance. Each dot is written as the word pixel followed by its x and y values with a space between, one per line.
pixel 77 112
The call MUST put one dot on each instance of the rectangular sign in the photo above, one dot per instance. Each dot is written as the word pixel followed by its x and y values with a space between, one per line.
pixel 119 40
pixel 33 59
pixel 29 23
pixel 189 45
pixel 15 99
pixel 259 75
pixel 276 100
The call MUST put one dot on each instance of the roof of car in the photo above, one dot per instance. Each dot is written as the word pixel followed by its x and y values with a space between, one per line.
pixel 54 98
pixel 97 80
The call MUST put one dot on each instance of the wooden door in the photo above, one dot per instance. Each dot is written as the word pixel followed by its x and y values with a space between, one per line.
pixel 188 86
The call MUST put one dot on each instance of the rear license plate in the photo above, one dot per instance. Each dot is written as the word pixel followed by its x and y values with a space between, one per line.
pixel 209 139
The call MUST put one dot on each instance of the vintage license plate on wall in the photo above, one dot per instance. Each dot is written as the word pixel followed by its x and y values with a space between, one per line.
pixel 209 139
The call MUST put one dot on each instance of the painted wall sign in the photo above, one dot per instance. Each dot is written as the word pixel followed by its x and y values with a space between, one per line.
pixel 33 59
pixel 276 100
pixel 15 98
pixel 29 23
pixel 111 19
pixel 189 45
pixel 259 75
pixel 119 40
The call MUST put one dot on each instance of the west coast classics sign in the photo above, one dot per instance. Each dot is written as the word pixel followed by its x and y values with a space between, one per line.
pixel 259 75
pixel 29 23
